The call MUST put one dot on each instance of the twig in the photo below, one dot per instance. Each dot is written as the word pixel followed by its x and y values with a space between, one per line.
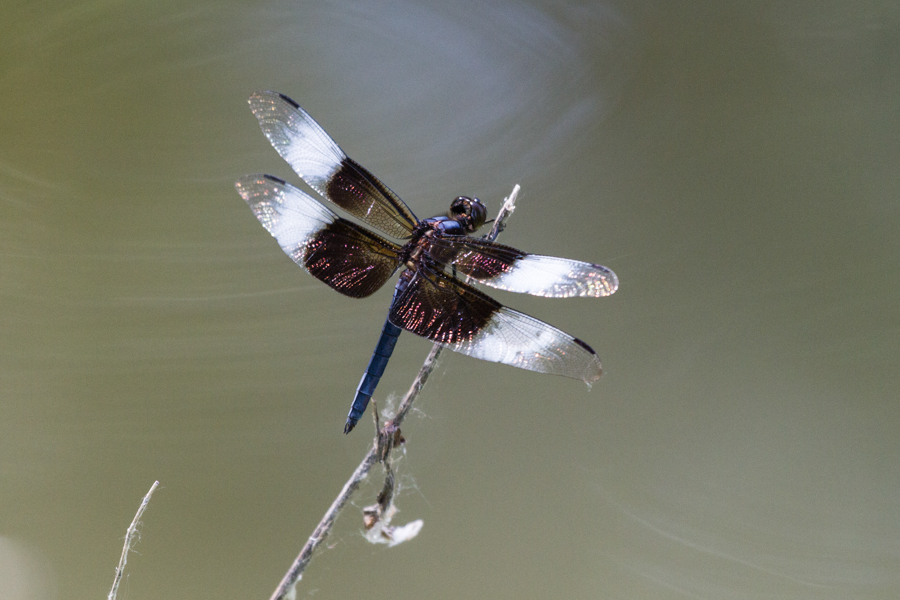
pixel 286 587
pixel 384 441
pixel 509 205
pixel 296 571
pixel 130 535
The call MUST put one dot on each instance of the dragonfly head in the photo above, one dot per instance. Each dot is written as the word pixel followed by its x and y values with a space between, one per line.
pixel 470 213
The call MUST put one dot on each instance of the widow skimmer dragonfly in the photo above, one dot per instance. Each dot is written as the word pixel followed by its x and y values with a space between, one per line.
pixel 429 299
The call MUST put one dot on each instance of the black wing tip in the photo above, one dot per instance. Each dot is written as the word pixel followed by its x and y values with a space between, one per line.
pixel 593 372
pixel 584 345
pixel 264 93
pixel 286 99
pixel 248 179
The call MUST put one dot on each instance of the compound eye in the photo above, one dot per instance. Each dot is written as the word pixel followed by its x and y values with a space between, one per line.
pixel 470 212
pixel 460 206
pixel 478 212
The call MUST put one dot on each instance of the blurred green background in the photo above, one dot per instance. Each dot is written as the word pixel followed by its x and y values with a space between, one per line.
pixel 736 164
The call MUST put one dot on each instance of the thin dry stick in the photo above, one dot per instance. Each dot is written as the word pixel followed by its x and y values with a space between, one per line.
pixel 290 579
pixel 286 588
pixel 130 536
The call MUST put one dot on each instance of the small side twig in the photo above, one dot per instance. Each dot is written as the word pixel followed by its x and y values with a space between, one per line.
pixel 130 535
pixel 386 438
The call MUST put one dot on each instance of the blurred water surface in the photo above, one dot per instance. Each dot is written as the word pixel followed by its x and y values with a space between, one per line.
pixel 735 164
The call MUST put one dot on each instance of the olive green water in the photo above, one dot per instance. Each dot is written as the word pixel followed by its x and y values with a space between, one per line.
pixel 737 166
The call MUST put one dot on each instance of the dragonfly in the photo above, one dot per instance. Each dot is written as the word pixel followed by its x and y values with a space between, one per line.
pixel 435 256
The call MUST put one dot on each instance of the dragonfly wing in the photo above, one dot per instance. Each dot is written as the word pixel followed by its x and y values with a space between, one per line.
pixel 446 310
pixel 326 168
pixel 342 254
pixel 506 268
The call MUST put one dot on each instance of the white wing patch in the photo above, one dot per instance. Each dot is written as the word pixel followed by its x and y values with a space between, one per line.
pixel 554 277
pixel 298 138
pixel 515 339
pixel 290 215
